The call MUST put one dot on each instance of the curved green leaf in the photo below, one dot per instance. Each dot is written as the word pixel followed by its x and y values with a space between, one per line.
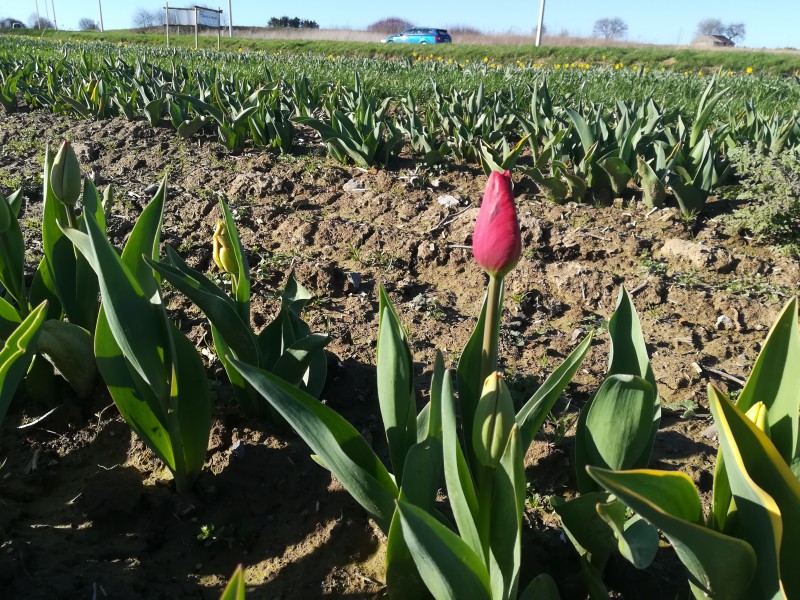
pixel 341 448
pixel 719 566
pixel 446 563
pixel 16 355
pixel 532 416
pixel 767 496
pixel 395 370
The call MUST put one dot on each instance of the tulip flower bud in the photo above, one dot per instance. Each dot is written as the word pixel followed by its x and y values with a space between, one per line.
pixel 758 415
pixel 496 242
pixel 108 201
pixel 223 250
pixel 65 176
pixel 494 419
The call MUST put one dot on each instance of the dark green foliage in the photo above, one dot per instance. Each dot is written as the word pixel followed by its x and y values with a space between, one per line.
pixel 769 186
pixel 293 22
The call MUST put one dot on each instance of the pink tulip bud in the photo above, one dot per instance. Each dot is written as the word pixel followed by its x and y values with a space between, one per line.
pixel 496 242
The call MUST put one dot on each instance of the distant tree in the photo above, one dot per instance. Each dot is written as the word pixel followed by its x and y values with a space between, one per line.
pixel 462 30
pixel 732 31
pixel 292 22
pixel 143 18
pixel 736 32
pixel 40 22
pixel 710 27
pixel 87 25
pixel 390 25
pixel 610 29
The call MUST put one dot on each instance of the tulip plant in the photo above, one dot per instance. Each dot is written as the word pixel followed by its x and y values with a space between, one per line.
pixel 747 546
pixel 153 372
pixel 616 429
pixel 62 279
pixel 479 556
pixel 285 346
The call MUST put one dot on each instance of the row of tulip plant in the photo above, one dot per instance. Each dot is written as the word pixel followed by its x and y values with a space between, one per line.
pixel 576 149
pixel 102 311
pixel 470 436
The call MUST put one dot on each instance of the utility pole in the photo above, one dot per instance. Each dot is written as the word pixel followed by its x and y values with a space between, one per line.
pixel 100 5
pixel 539 28
pixel 38 18
pixel 55 21
pixel 230 20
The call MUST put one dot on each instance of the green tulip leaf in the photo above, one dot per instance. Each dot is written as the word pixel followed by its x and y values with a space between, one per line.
pixel 618 421
pixel 235 588
pixel 542 587
pixel 70 349
pixel 775 381
pixel 402 577
pixel 215 304
pixel 448 566
pixel 458 479
pixel 43 290
pixel 12 256
pixel 190 408
pixel 135 400
pixel 137 324
pixel 533 414
pixel 338 444
pixel 584 527
pixel 767 496
pixel 395 369
pixel 637 540
pixel 9 318
pixel 507 507
pixel 295 360
pixel 16 356
pixel 719 566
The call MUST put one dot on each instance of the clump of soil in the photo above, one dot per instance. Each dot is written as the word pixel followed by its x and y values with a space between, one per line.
pixel 87 511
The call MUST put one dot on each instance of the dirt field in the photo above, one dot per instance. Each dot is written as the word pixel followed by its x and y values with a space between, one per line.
pixel 86 511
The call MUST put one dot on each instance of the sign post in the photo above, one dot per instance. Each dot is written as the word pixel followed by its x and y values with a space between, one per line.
pixel 197 16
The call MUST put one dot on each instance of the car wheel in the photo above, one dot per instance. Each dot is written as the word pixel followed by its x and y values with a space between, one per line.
pixel 423 43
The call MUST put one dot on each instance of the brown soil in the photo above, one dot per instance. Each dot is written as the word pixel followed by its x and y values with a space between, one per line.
pixel 86 511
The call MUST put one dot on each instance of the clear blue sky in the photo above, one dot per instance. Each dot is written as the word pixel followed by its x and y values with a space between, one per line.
pixel 770 23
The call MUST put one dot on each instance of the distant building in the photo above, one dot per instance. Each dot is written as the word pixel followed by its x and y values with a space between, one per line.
pixel 711 41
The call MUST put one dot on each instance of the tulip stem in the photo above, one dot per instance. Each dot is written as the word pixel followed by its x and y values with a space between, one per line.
pixel 70 217
pixel 491 327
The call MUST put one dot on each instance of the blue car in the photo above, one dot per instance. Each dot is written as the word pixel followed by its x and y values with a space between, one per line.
pixel 420 35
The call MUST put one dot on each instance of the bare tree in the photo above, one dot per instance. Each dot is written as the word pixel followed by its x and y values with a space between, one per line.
pixel 732 31
pixel 40 22
pixel 390 25
pixel 710 27
pixel 610 29
pixel 143 18
pixel 88 25
pixel 736 32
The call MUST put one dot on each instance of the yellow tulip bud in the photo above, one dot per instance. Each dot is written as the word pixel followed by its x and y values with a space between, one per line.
pixel 223 250
pixel 494 419
pixel 758 415
pixel 65 176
